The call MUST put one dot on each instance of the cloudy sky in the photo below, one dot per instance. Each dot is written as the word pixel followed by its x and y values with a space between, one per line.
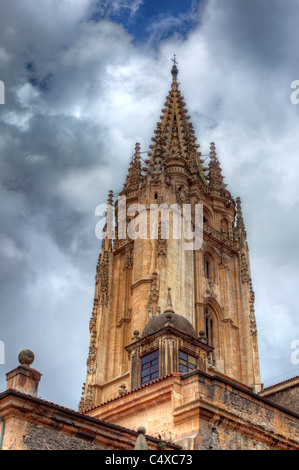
pixel 85 80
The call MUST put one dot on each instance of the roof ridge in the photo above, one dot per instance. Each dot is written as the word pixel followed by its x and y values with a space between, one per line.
pixel 280 383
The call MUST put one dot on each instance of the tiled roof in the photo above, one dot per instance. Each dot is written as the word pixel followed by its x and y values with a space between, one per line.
pixel 280 383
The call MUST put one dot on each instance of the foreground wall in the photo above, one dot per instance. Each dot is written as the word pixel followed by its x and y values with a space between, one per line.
pixel 34 424
pixel 201 411
pixel 285 394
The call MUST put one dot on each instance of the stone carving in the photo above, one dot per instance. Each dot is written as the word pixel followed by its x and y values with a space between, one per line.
pixel 92 346
pixel 252 320
pixel 122 389
pixel 157 165
pixel 253 327
pixel 210 361
pixel 251 293
pixel 87 400
pixel 219 236
pixel 93 321
pixel 161 242
pixel 244 269
pixel 210 290
pixel 92 370
pixel 182 195
pixel 154 292
pixel 223 258
pixel 129 258
pixel 153 295
pixel 103 278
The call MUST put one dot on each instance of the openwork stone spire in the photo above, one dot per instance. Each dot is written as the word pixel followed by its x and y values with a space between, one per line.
pixel 174 137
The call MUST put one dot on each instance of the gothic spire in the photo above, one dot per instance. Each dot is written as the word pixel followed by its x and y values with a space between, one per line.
pixel 134 174
pixel 215 172
pixel 240 220
pixel 108 227
pixel 174 134
pixel 169 307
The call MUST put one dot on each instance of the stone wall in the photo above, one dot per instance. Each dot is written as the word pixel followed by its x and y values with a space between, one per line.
pixel 288 398
pixel 42 438
pixel 205 412
pixel 34 424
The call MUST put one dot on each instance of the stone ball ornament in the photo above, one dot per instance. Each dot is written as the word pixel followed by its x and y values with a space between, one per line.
pixel 141 430
pixel 26 357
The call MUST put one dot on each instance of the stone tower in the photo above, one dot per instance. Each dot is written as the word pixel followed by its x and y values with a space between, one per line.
pixel 211 319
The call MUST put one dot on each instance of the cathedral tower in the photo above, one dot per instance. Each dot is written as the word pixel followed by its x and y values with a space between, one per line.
pixel 140 329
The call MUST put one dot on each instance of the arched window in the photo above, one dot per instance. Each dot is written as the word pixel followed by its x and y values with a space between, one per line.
pixel 209 324
pixel 208 267
pixel 207 216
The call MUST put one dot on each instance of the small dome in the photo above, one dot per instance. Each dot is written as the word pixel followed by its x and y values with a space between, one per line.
pixel 178 322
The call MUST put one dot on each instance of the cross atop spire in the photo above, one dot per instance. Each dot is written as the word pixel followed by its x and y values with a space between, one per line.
pixel 174 69
pixel 174 60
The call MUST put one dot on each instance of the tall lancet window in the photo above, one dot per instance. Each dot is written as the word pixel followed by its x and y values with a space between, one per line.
pixel 208 267
pixel 209 324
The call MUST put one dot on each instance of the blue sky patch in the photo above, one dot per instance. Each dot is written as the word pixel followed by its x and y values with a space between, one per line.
pixel 149 20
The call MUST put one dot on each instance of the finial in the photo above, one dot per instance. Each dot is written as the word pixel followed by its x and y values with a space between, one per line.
pixel 212 150
pixel 216 180
pixel 26 357
pixel 202 337
pixel 137 152
pixel 240 220
pixel 239 210
pixel 174 69
pixel 136 336
pixel 110 198
pixel 141 441
pixel 169 307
